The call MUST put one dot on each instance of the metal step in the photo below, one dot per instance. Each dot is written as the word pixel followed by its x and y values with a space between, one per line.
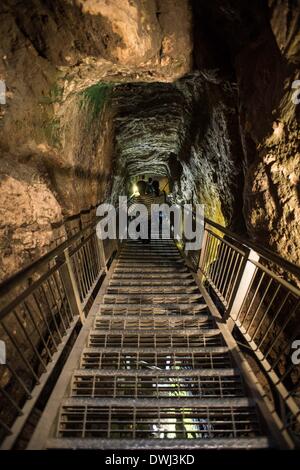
pixel 143 290
pixel 157 384
pixel 159 358
pixel 151 263
pixel 153 323
pixel 185 418
pixel 158 299
pixel 98 338
pixel 146 283
pixel 149 276
pixel 160 444
pixel 120 269
pixel 190 310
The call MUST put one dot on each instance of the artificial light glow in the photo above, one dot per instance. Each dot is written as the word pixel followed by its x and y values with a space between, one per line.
pixel 135 190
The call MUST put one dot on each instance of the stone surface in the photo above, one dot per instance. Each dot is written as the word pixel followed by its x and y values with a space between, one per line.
pixel 52 54
pixel 198 91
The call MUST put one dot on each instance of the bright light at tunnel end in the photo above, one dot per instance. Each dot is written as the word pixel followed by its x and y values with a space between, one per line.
pixel 161 221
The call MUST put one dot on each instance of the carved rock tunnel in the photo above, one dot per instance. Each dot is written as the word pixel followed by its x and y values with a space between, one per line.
pixel 197 94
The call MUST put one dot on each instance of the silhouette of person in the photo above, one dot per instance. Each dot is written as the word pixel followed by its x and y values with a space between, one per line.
pixel 149 188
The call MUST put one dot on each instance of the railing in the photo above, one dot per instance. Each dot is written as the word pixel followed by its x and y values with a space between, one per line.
pixel 43 306
pixel 257 294
pixel 251 286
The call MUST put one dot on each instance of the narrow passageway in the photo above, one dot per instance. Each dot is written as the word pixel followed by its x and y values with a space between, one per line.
pixel 110 339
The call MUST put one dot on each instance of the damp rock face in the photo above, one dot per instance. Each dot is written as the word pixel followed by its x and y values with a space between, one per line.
pixel 187 131
pixel 59 61
pixel 259 49
pixel 200 92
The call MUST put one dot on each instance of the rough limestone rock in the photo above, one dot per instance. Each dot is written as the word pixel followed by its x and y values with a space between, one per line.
pixel 54 58
pixel 197 91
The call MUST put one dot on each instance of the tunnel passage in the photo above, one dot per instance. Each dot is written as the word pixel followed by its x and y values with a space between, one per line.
pixel 201 94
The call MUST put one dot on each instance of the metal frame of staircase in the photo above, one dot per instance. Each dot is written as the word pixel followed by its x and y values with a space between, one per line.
pixel 231 286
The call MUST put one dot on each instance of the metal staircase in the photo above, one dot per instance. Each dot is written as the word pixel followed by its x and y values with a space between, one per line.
pixel 155 370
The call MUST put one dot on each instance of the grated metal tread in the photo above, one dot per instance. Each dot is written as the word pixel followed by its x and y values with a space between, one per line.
pixel 159 299
pixel 156 371
pixel 157 384
pixel 152 444
pixel 153 323
pixel 142 340
pixel 159 358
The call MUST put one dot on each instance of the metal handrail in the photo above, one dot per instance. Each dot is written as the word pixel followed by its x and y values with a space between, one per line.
pixel 254 298
pixel 21 275
pixel 260 304
pixel 47 312
pixel 266 253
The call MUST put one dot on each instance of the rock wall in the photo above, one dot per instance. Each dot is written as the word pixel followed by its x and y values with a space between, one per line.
pixel 59 60
pixel 257 45
pixel 198 91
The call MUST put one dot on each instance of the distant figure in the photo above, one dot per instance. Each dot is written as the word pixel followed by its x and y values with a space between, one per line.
pixel 142 185
pixel 155 186
pixel 149 188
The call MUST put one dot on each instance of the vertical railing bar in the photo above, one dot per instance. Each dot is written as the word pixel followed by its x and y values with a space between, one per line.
pixel 90 258
pixel 273 321
pixel 89 266
pixel 38 330
pixel 227 275
pixel 253 296
pixel 95 251
pixel 51 313
pixel 75 263
pixel 82 253
pixel 259 305
pixel 218 264
pixel 57 305
pixel 18 379
pixel 5 427
pixel 69 317
pixel 206 261
pixel 222 276
pixel 216 259
pixel 17 347
pixel 90 262
pixel 210 255
pixel 71 288
pixel 202 254
pixel 266 312
pixel 29 340
pixel 283 327
pixel 230 288
pixel 84 274
pixel 11 400
pixel 45 320
pixel 224 250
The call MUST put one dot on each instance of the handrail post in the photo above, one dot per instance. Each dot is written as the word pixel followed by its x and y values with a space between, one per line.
pixel 71 289
pixel 101 253
pixel 202 252
pixel 246 278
